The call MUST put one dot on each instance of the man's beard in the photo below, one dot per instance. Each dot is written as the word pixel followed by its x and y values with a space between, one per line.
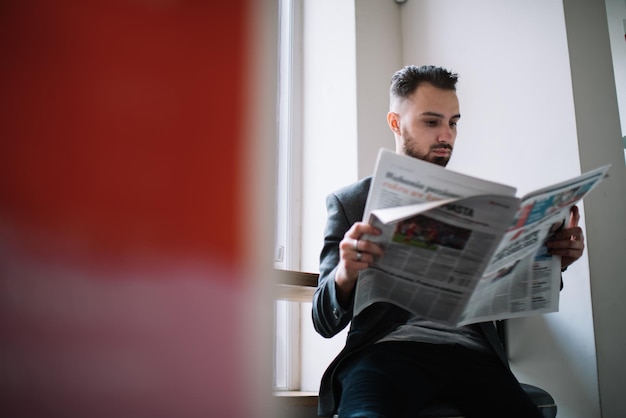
pixel 407 149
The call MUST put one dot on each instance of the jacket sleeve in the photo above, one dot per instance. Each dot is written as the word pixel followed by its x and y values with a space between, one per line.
pixel 329 317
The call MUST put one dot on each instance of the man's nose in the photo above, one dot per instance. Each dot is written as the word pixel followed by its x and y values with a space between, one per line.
pixel 446 134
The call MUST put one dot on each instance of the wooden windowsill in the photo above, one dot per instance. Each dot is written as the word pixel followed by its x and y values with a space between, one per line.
pixel 295 286
pixel 295 398
pixel 294 393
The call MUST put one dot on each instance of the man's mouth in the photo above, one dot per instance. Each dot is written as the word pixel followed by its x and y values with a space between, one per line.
pixel 442 150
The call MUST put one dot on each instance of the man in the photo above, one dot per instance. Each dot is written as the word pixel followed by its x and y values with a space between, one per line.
pixel 394 362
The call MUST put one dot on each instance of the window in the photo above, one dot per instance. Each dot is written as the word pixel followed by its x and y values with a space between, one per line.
pixel 287 250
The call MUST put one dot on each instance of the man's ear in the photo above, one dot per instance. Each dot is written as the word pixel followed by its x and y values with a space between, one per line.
pixel 393 120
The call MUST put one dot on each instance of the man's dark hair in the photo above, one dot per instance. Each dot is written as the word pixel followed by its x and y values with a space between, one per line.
pixel 405 81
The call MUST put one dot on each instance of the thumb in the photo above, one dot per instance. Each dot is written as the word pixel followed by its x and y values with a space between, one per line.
pixel 574 217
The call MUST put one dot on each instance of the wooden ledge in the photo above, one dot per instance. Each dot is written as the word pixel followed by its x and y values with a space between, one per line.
pixel 295 286
pixel 296 278
pixel 293 398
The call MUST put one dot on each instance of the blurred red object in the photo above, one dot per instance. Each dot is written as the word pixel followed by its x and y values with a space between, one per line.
pixel 120 208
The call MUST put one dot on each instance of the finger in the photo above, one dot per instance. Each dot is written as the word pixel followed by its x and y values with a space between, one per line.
pixel 575 233
pixel 566 242
pixel 349 252
pixel 560 247
pixel 370 247
pixel 353 240
pixel 574 217
pixel 359 229
pixel 363 258
pixel 569 254
pixel 356 261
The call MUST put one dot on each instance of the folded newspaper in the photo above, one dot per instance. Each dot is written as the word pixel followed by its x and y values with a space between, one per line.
pixel 460 250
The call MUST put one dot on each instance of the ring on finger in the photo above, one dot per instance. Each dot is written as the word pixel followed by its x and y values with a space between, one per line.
pixel 356 245
pixel 359 256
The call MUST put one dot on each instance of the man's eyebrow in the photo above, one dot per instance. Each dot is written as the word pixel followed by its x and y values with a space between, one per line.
pixel 439 115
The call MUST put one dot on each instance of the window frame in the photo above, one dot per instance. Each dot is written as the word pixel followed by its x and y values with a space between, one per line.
pixel 287 330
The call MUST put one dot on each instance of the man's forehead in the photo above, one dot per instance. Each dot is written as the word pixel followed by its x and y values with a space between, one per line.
pixel 427 91
pixel 433 100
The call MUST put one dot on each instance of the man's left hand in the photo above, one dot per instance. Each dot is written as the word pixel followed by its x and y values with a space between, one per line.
pixel 569 242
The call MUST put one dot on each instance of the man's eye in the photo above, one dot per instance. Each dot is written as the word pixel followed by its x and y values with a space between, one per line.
pixel 453 124
pixel 432 122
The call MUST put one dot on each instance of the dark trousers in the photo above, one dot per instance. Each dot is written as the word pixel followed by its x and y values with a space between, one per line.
pixel 396 379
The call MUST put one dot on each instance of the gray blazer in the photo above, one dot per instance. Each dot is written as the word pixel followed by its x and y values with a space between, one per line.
pixel 345 207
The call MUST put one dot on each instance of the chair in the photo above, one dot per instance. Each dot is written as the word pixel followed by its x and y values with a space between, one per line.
pixel 298 286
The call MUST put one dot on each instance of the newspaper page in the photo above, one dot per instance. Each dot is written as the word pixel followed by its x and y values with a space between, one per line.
pixel 411 274
pixel 460 249
pixel 522 278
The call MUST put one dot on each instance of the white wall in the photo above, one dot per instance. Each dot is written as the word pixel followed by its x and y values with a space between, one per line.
pixel 518 127
pixel 616 16
pixel 379 55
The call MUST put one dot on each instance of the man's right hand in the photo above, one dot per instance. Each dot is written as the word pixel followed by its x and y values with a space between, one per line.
pixel 355 254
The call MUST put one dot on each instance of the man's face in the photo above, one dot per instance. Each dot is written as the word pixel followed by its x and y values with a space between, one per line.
pixel 425 124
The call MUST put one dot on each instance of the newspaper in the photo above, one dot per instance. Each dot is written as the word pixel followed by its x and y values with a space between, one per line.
pixel 460 250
